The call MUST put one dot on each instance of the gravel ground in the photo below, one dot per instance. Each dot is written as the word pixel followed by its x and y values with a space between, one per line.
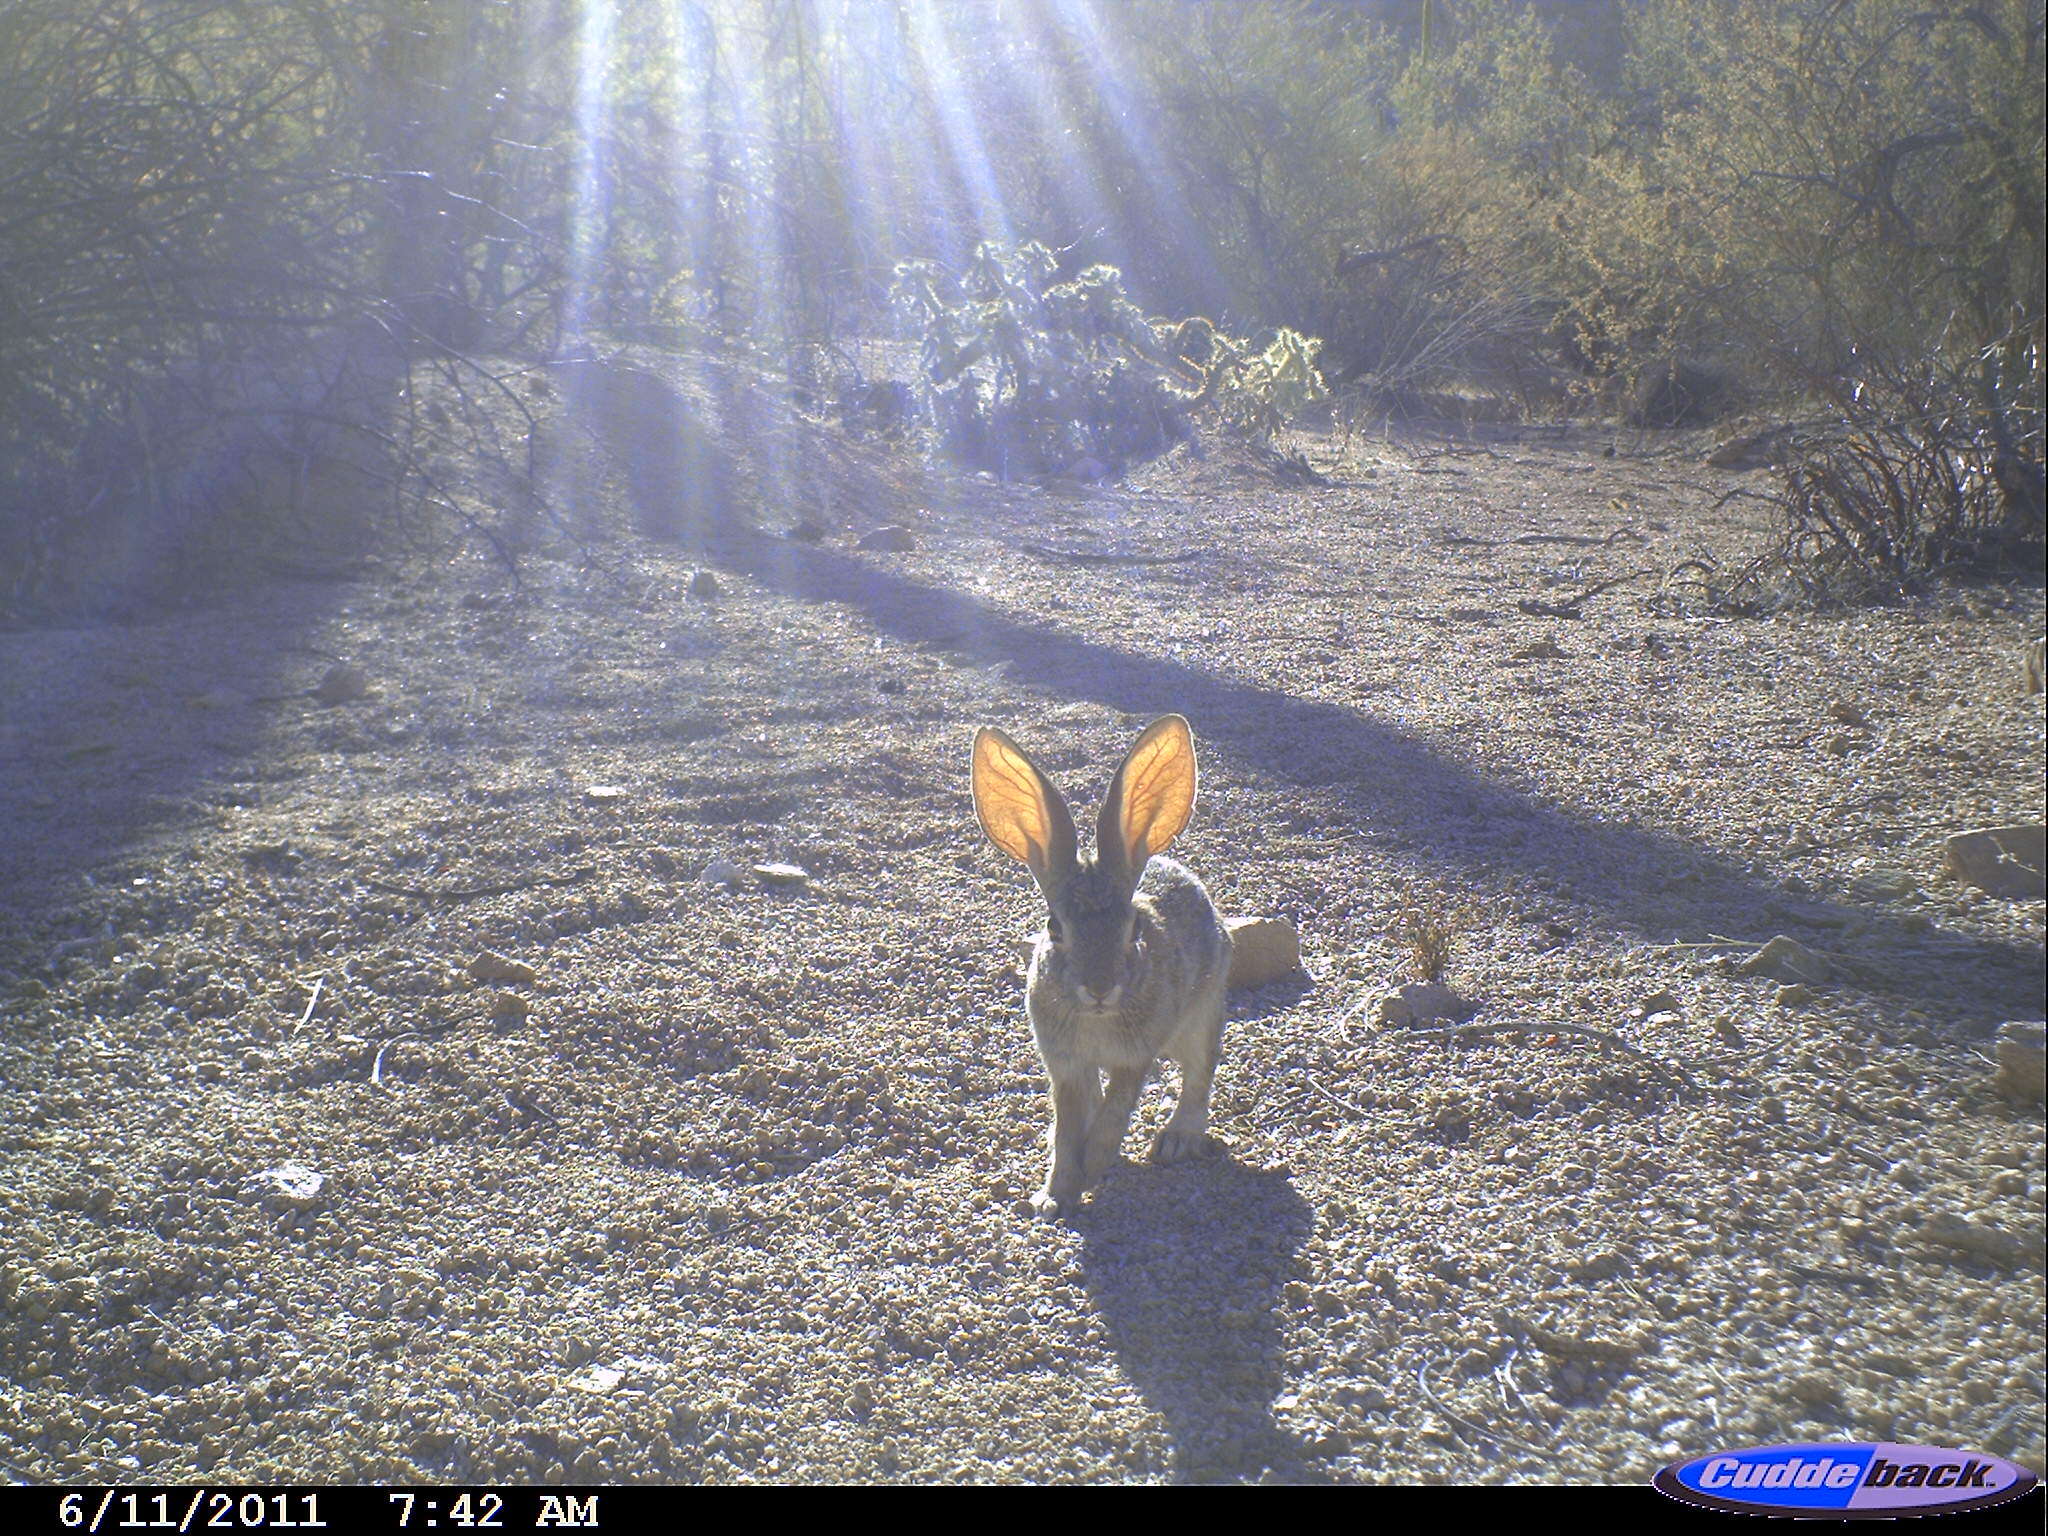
pixel 726 1181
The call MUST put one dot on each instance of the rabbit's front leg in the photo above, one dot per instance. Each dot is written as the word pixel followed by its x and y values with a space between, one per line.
pixel 1113 1119
pixel 1076 1099
pixel 1186 1132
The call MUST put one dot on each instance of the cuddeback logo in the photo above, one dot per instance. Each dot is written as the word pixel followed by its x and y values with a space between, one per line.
pixel 1880 1479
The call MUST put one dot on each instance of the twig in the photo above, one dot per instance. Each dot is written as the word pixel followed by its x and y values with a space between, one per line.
pixel 1623 532
pixel 1605 1039
pixel 1472 1426
pixel 1342 1103
pixel 425 1030
pixel 1569 608
pixel 465 893
pixel 311 1003
pixel 1106 557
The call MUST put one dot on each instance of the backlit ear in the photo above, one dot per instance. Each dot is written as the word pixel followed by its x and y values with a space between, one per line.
pixel 1019 809
pixel 1151 797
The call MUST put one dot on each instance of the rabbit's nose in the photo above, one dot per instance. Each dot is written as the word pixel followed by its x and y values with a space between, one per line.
pixel 1107 999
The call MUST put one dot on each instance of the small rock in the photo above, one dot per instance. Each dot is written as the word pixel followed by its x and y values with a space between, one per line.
pixel 1423 1002
pixel 2037 664
pixel 703 584
pixel 1785 959
pixel 291 1184
pixel 892 540
pixel 597 1378
pixel 1842 712
pixel 1945 1229
pixel 510 1006
pixel 782 874
pixel 1658 1002
pixel 1546 649
pixel 605 794
pixel 1600 1264
pixel 489 965
pixel 2023 1059
pixel 1262 949
pixel 809 531
pixel 1794 994
pixel 722 872
pixel 2005 861
pixel 342 685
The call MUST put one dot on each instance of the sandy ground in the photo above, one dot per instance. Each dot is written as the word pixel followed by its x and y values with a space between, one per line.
pixel 729 1185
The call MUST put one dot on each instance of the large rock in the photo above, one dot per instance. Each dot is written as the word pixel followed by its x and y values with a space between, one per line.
pixel 1423 1002
pixel 1788 960
pixel 2023 1059
pixel 1262 949
pixel 2006 861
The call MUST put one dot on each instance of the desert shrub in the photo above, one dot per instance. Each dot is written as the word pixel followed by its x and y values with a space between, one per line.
pixel 227 239
pixel 1023 372
pixel 1819 188
pixel 1913 479
pixel 1428 928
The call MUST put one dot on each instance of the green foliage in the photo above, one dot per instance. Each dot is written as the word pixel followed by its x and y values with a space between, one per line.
pixel 211 205
pixel 1023 373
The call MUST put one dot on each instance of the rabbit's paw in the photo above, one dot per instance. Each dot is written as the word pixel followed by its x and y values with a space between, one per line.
pixel 1047 1205
pixel 1176 1144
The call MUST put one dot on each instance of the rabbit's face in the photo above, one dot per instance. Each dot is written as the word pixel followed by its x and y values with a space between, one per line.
pixel 1091 925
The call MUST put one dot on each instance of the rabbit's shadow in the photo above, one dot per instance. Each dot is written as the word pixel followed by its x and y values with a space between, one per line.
pixel 1186 1266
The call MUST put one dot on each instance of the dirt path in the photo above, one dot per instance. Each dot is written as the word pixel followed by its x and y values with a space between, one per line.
pixel 732 1187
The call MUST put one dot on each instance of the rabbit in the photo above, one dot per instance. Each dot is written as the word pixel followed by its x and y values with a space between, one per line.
pixel 1127 971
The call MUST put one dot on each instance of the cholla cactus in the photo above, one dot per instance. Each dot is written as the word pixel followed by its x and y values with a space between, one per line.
pixel 1022 373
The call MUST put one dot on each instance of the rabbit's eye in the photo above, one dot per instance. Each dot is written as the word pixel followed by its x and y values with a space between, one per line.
pixel 1052 927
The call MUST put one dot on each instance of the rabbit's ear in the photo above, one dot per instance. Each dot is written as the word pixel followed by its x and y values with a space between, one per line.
pixel 1151 797
pixel 1020 810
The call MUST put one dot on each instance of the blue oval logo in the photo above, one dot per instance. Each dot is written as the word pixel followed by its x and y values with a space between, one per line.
pixel 1877 1478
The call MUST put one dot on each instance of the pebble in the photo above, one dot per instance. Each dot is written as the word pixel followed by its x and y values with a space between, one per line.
pixel 489 965
pixel 782 874
pixel 342 684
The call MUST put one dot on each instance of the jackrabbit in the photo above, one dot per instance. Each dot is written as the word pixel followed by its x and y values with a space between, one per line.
pixel 1125 972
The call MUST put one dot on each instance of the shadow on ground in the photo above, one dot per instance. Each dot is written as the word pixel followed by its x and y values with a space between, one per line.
pixel 1186 1265
pixel 1406 797
pixel 110 731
